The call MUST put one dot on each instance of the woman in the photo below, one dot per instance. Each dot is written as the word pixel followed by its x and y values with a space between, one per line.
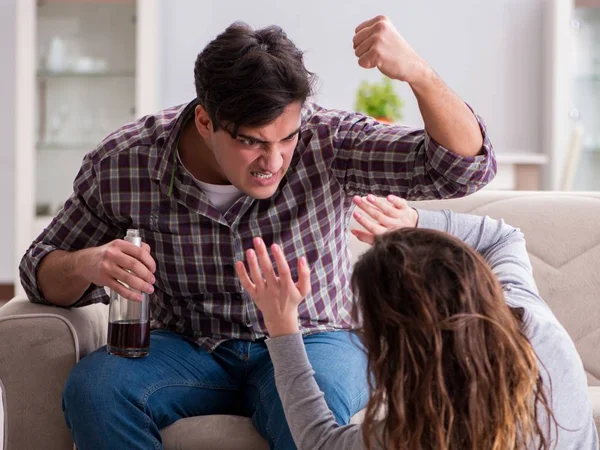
pixel 463 352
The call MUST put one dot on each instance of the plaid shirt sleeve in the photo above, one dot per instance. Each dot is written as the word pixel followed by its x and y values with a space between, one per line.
pixel 80 224
pixel 371 157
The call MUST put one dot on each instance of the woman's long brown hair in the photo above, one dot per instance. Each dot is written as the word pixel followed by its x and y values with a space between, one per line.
pixel 451 367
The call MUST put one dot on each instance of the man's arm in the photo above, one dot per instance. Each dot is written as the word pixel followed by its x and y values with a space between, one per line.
pixel 79 253
pixel 61 266
pixel 64 277
pixel 451 157
pixel 367 157
pixel 447 118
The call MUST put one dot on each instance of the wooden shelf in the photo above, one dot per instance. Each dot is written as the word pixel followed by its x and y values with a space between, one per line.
pixel 521 158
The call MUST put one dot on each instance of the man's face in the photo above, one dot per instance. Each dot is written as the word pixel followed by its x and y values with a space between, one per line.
pixel 258 158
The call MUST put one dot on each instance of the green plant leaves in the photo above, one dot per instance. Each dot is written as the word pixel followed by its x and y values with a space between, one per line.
pixel 379 100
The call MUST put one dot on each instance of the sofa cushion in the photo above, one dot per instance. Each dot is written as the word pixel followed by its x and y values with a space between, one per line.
pixel 595 396
pixel 43 345
pixel 212 432
pixel 2 416
pixel 563 241
pixel 567 220
pixel 222 432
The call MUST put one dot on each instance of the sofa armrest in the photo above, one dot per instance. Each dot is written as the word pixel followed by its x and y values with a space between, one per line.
pixel 39 345
pixel 595 396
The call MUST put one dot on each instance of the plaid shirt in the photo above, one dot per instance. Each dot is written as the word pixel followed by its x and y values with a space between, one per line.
pixel 133 180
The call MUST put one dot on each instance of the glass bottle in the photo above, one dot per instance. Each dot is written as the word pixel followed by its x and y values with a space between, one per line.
pixel 128 320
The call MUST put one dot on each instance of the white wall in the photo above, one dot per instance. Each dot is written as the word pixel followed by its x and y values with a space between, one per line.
pixel 489 52
pixel 7 126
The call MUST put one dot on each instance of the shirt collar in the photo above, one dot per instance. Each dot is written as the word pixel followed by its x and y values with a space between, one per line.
pixel 166 146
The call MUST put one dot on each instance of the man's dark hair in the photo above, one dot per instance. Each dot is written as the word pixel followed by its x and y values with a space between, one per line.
pixel 246 77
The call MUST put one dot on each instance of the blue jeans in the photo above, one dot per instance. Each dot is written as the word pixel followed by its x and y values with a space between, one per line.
pixel 112 402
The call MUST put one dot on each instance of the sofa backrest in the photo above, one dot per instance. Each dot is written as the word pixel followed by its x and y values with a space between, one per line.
pixel 562 230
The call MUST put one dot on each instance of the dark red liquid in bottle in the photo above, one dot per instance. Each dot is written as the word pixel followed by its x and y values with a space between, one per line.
pixel 130 338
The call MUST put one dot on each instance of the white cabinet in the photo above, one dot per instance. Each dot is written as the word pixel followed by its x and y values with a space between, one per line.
pixel 518 171
pixel 85 88
pixel 572 93
pixel 84 68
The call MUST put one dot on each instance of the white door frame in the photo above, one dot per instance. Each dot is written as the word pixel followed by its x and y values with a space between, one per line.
pixel 556 129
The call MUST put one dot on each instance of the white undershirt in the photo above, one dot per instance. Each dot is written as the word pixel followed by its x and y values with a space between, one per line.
pixel 222 196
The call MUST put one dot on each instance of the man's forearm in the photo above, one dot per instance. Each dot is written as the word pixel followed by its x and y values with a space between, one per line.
pixel 377 43
pixel 447 118
pixel 59 278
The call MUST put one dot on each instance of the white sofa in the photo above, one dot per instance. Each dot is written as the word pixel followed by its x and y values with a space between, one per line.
pixel 40 344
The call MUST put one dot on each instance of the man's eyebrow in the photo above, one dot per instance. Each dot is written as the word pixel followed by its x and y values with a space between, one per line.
pixel 293 133
pixel 261 141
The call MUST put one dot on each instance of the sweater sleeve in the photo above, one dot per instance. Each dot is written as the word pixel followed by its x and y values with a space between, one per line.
pixel 311 423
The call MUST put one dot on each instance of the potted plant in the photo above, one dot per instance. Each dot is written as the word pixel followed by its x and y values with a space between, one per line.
pixel 379 100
